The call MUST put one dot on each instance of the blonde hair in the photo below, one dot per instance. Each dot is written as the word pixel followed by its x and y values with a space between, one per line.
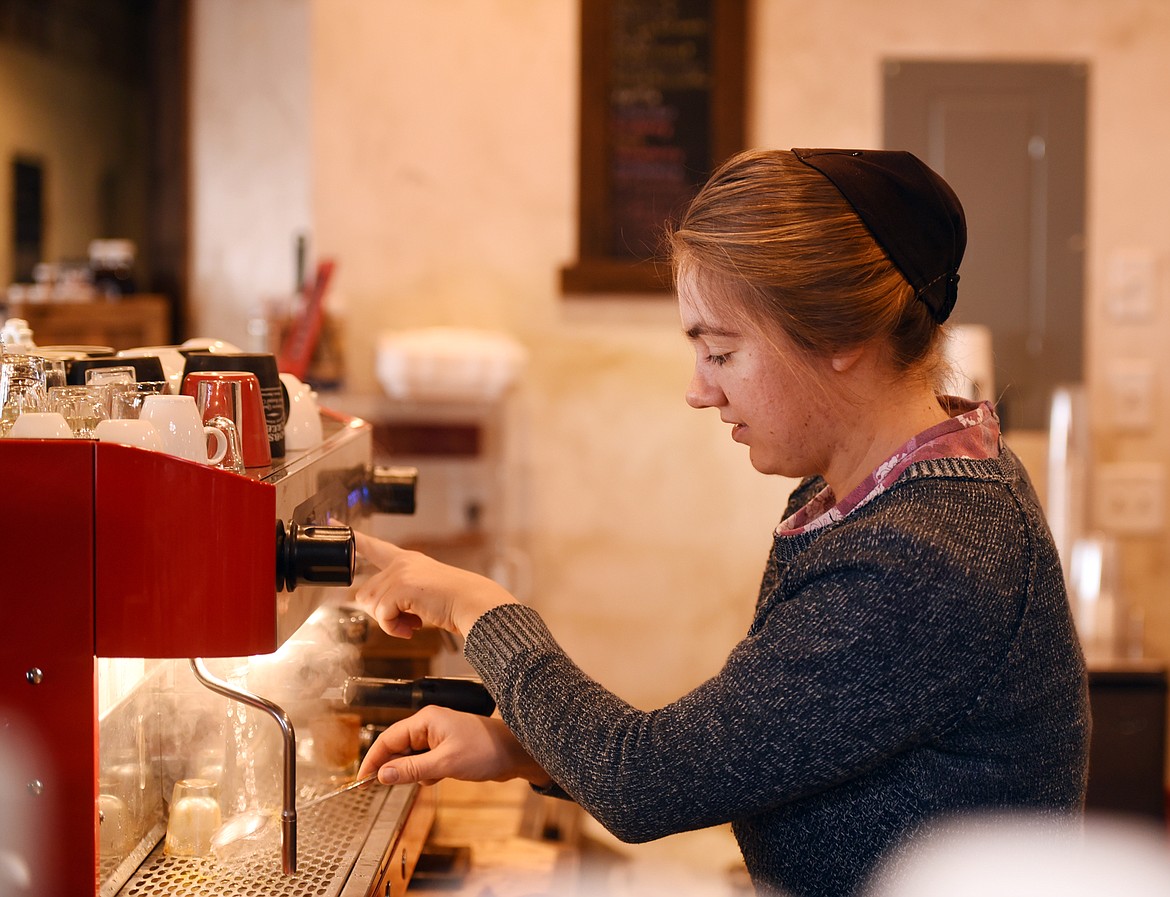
pixel 771 239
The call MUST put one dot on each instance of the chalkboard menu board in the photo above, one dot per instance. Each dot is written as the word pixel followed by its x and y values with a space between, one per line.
pixel 662 98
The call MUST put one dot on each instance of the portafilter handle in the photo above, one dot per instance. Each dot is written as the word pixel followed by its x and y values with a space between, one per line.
pixel 457 693
pixel 313 554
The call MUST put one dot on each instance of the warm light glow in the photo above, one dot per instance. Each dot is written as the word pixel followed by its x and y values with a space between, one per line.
pixel 116 677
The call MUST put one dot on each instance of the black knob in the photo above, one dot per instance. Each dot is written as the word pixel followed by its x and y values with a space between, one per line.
pixel 391 490
pixel 318 555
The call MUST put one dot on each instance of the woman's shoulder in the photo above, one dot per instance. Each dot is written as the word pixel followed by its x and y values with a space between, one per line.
pixel 963 508
pixel 969 486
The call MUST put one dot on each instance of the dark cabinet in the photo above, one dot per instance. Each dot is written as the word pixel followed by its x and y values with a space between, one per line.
pixel 1128 747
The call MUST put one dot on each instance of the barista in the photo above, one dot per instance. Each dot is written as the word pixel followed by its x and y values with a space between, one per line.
pixel 912 653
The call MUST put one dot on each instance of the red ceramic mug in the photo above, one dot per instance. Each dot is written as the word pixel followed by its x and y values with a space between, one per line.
pixel 252 426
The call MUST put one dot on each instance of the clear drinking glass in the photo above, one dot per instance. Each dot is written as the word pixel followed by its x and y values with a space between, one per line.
pixel 337 742
pixel 108 380
pixel 127 399
pixel 194 817
pixel 109 376
pixel 220 405
pixel 22 387
pixel 83 407
pixel 54 372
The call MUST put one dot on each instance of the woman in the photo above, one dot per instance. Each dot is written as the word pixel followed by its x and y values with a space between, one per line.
pixel 912 653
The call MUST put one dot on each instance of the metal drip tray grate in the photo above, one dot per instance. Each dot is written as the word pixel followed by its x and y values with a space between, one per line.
pixel 330 838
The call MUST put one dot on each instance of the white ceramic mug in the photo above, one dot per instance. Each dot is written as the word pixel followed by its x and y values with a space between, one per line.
pixel 40 425
pixel 179 426
pixel 129 431
pixel 303 428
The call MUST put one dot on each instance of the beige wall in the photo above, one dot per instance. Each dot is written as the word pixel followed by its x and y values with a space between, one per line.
pixel 250 157
pixel 442 151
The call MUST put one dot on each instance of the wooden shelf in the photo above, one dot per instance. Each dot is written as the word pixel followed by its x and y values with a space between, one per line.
pixel 126 323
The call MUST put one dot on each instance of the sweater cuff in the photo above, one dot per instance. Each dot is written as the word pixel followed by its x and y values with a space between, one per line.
pixel 498 636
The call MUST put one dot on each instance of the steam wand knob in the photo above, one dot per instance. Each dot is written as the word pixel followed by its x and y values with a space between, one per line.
pixel 313 554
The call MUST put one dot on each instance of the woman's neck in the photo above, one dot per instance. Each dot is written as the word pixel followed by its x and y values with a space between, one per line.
pixel 875 425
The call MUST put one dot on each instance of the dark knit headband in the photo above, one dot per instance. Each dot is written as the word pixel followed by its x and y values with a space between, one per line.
pixel 911 212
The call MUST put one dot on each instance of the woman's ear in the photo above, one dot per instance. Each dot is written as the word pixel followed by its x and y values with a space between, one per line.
pixel 843 361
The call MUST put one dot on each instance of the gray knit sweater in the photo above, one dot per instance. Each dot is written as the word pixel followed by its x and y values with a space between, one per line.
pixel 912 660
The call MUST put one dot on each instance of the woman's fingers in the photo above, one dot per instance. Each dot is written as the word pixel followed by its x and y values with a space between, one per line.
pixel 415 749
pixel 438 743
pixel 378 596
pixel 410 589
pixel 404 625
pixel 399 740
pixel 378 551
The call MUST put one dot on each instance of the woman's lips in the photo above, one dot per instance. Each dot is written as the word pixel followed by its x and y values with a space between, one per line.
pixel 737 430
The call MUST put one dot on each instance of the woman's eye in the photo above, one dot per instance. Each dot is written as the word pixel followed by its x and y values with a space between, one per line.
pixel 719 359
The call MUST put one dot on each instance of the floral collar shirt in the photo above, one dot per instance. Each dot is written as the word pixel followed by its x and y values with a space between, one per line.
pixel 971 432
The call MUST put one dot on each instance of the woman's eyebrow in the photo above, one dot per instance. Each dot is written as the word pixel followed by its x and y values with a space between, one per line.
pixel 702 330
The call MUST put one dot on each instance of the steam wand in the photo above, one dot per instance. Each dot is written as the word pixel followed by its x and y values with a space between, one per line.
pixel 288 816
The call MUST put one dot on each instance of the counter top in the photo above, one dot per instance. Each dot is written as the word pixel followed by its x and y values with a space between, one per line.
pixel 511 848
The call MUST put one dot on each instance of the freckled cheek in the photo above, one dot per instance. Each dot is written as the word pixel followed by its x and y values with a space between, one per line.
pixel 783 424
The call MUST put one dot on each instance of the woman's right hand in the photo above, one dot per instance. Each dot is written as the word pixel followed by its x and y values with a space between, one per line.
pixel 410 590
pixel 437 743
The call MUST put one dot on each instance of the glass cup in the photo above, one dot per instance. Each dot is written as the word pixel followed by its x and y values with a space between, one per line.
pixel 54 371
pixel 115 831
pixel 81 406
pixel 108 380
pixel 109 376
pixel 220 405
pixel 194 817
pixel 126 400
pixel 337 742
pixel 22 387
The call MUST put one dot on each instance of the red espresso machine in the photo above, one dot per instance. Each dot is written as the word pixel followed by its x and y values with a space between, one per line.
pixel 126 577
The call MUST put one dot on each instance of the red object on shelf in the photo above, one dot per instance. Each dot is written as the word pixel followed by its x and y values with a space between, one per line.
pixel 296 352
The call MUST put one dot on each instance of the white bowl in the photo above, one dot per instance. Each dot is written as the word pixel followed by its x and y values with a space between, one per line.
pixel 448 364
pixel 40 425
pixel 127 431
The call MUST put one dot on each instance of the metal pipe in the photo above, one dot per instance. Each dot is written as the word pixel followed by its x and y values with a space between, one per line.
pixel 288 816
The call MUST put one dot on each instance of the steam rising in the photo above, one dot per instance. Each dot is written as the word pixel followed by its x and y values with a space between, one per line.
pixel 316 660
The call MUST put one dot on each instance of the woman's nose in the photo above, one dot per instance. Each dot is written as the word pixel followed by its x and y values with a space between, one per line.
pixel 701 393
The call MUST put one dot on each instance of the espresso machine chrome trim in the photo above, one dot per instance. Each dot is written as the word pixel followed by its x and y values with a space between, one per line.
pixel 288 815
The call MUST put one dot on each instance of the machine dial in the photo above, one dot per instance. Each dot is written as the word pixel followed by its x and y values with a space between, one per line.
pixel 313 554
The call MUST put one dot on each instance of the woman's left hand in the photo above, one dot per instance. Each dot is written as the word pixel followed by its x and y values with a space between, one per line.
pixel 437 743
pixel 411 590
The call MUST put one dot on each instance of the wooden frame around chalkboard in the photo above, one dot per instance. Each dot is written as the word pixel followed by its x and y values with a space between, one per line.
pixel 599 270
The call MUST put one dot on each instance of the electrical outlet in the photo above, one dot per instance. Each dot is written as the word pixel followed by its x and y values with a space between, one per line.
pixel 1130 498
pixel 1131 284
pixel 1131 393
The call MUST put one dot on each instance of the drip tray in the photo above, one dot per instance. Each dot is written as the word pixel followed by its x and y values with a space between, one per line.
pixel 340 847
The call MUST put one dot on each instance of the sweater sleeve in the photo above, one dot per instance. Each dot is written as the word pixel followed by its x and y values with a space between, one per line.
pixel 875 641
